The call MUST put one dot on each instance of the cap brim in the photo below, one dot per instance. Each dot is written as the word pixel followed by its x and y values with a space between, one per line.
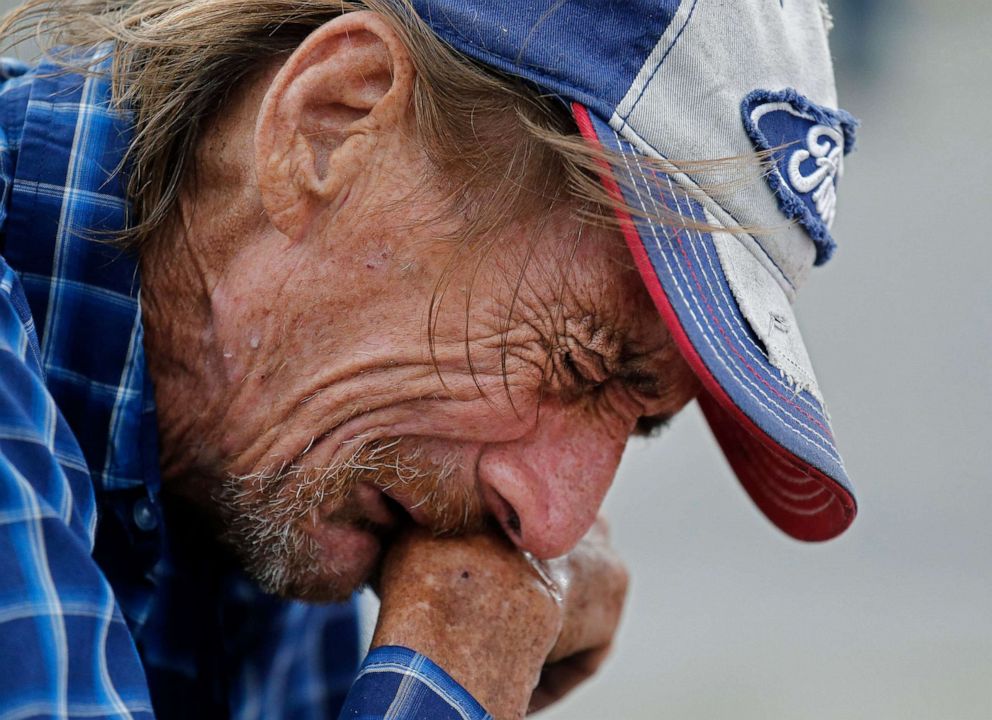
pixel 775 435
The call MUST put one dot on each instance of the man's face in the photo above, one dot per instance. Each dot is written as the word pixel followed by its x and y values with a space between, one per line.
pixel 378 372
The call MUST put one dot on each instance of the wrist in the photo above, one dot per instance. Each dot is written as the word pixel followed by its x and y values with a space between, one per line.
pixel 489 625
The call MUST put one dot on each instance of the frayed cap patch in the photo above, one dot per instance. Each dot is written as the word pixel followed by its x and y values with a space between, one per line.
pixel 807 144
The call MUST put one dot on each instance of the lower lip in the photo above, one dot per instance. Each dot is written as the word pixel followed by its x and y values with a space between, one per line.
pixel 355 544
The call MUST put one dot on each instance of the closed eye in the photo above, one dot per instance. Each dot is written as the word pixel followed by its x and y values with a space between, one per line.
pixel 587 364
pixel 579 371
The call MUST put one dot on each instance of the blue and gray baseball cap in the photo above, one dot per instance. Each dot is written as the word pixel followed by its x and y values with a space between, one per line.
pixel 688 82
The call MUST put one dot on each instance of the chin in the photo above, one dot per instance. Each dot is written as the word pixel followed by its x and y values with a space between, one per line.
pixel 336 591
pixel 331 564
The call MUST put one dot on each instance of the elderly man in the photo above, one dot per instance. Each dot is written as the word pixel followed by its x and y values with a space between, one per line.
pixel 299 295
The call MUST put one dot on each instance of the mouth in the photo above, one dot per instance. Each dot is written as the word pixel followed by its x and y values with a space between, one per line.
pixel 377 508
pixel 370 519
pixel 350 538
pixel 414 510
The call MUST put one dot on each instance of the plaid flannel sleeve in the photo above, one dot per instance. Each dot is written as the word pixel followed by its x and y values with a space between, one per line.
pixel 395 682
pixel 65 651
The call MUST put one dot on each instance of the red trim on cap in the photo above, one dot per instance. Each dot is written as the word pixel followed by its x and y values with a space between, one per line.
pixel 763 466
pixel 770 476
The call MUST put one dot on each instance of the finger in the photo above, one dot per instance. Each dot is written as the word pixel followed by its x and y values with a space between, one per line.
pixel 600 530
pixel 560 678
pixel 593 611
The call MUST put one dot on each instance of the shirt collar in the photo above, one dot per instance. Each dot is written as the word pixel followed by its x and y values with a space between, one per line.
pixel 66 199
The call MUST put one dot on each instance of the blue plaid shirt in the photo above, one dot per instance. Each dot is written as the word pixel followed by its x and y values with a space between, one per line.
pixel 104 613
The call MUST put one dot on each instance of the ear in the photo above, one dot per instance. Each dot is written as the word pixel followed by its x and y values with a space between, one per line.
pixel 349 82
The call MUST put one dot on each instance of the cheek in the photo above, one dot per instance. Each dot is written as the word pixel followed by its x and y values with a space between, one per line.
pixel 312 298
pixel 474 421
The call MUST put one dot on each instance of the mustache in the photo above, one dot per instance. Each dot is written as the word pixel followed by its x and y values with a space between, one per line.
pixel 399 467
pixel 403 470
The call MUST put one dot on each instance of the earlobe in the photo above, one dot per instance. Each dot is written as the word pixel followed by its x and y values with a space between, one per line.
pixel 321 118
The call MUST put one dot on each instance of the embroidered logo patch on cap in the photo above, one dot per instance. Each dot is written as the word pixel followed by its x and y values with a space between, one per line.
pixel 807 143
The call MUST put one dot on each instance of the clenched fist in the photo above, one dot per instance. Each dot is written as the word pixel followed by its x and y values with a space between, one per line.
pixel 517 633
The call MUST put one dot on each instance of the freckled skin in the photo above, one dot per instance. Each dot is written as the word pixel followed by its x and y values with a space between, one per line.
pixel 449 597
pixel 289 317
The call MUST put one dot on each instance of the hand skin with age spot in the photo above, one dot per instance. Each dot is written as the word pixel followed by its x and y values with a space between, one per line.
pixel 478 608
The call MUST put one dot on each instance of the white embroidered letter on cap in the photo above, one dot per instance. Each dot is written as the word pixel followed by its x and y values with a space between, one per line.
pixel 806 144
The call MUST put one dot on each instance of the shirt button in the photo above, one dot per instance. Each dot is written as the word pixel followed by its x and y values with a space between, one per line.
pixel 144 515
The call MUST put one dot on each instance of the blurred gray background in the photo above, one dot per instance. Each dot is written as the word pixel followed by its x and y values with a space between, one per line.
pixel 729 619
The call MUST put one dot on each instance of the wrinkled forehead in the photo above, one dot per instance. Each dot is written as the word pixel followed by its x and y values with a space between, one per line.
pixel 564 270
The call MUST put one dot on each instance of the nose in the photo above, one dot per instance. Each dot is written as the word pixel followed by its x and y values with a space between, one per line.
pixel 545 489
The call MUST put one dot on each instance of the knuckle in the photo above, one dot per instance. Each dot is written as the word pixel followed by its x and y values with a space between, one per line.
pixel 622 578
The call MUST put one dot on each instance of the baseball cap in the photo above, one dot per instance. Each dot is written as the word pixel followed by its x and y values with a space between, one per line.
pixel 687 82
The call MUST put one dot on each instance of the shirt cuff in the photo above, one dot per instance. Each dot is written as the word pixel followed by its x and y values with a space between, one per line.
pixel 396 682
